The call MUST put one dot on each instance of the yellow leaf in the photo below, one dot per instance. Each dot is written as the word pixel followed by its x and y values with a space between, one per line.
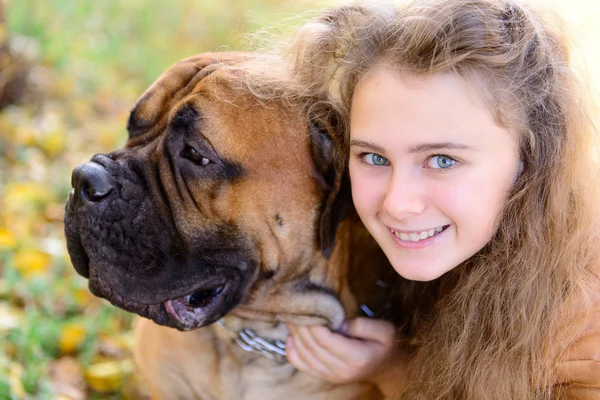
pixel 72 337
pixel 125 340
pixel 116 346
pixel 108 376
pixel 30 262
pixel 25 136
pixel 53 143
pixel 22 194
pixel 22 224
pixel 7 128
pixel 16 380
pixel 7 239
pixel 83 297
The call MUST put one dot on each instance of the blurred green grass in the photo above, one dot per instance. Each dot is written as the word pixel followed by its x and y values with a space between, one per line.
pixel 131 43
pixel 90 60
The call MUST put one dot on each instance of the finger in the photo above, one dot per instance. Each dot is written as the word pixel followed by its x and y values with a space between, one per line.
pixel 316 339
pixel 293 357
pixel 346 358
pixel 366 340
pixel 304 358
pixel 343 350
pixel 375 330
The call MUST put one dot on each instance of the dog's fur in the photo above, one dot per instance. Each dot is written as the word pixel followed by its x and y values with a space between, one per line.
pixel 220 194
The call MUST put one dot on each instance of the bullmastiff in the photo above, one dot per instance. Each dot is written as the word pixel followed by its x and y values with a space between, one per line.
pixel 221 220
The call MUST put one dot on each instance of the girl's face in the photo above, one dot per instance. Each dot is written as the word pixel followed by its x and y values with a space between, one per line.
pixel 430 169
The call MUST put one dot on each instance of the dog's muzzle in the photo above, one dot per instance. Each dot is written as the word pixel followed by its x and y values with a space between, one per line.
pixel 119 239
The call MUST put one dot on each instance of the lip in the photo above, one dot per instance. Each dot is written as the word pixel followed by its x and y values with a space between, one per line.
pixel 407 244
pixel 416 230
pixel 187 316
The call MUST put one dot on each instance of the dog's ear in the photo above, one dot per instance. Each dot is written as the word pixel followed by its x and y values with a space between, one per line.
pixel 329 159
pixel 173 85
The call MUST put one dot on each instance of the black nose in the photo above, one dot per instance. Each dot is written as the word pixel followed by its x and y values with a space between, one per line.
pixel 91 181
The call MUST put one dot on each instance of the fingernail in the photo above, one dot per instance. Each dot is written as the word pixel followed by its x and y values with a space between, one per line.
pixel 290 343
pixel 343 329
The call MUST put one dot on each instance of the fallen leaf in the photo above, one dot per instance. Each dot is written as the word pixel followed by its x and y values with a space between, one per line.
pixel 24 195
pixel 117 346
pixel 71 337
pixel 31 262
pixel 16 380
pixel 108 376
pixel 67 380
pixel 7 239
pixel 53 143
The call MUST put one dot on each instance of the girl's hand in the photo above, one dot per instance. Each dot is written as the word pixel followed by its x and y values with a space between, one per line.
pixel 358 351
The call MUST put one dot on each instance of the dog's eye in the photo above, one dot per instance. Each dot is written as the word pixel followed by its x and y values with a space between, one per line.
pixel 192 154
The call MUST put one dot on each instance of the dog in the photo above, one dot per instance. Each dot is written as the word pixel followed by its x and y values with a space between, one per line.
pixel 225 216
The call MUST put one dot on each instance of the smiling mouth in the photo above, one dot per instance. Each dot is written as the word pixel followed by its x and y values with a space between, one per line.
pixel 419 236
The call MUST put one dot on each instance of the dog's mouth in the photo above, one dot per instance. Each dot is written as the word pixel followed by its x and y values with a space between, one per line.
pixel 198 308
pixel 194 296
pixel 205 304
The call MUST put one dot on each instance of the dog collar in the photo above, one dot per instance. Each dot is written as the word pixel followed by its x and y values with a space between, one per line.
pixel 249 341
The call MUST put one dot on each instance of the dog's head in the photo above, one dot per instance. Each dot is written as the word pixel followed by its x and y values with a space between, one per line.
pixel 216 199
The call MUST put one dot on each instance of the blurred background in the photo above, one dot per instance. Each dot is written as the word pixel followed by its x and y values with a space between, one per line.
pixel 70 71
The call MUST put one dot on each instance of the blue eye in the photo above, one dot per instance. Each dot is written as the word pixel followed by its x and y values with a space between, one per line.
pixel 441 162
pixel 375 159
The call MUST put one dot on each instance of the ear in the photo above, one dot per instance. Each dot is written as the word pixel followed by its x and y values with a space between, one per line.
pixel 328 157
pixel 174 84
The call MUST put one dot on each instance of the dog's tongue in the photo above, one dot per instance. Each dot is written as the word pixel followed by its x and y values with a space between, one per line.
pixel 182 315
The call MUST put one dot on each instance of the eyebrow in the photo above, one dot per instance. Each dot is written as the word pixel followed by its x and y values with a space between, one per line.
pixel 419 148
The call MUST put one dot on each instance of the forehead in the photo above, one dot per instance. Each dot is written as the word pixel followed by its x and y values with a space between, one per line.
pixel 242 127
pixel 439 107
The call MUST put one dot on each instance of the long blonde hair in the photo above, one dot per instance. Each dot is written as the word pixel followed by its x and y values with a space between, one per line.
pixel 502 317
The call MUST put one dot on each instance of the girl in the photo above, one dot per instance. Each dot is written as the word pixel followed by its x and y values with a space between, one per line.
pixel 472 160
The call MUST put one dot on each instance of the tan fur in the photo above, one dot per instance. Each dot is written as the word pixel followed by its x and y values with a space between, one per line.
pixel 271 142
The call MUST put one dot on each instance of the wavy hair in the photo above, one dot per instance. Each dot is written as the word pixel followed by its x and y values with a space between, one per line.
pixel 503 317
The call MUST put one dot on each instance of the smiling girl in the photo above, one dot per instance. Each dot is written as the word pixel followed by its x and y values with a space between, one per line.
pixel 473 163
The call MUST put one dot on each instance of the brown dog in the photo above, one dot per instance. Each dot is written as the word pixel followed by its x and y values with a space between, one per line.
pixel 219 209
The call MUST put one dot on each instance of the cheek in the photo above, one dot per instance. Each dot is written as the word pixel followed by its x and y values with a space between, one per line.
pixel 472 203
pixel 367 189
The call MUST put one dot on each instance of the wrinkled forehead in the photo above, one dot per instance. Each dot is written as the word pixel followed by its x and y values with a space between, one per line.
pixel 239 124
pixel 171 87
pixel 215 104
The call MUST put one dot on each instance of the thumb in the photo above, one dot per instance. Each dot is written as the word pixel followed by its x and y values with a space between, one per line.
pixel 376 330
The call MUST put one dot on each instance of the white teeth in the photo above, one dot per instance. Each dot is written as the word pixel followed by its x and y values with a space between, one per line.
pixel 415 237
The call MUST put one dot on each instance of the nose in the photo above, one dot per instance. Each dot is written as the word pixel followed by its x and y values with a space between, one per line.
pixel 405 195
pixel 91 181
